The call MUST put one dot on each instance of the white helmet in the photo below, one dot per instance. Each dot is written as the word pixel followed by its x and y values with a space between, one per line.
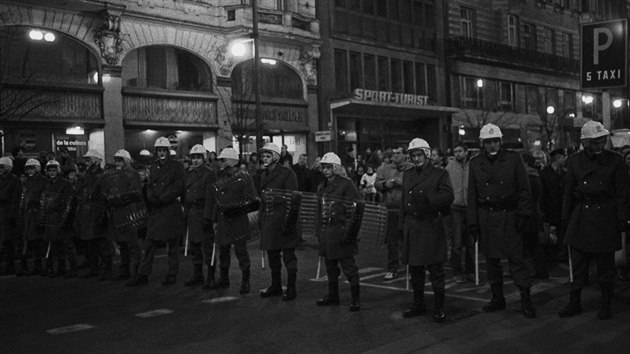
pixel 145 152
pixel 270 147
pixel 490 131
pixel 198 149
pixel 420 144
pixel 162 142
pixel 93 153
pixel 33 162
pixel 331 158
pixel 593 129
pixel 53 163
pixel 173 152
pixel 123 154
pixel 6 161
pixel 228 153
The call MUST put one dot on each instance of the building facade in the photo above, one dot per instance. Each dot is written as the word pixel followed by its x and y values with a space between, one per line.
pixel 516 64
pixel 119 74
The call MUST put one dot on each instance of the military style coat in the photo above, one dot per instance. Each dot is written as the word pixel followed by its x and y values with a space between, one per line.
pixel 275 232
pixel 199 202
pixel 331 243
pixel 121 191
pixel 57 200
pixel 233 187
pixel 426 193
pixel 30 204
pixel 498 193
pixel 91 215
pixel 10 194
pixel 163 190
pixel 595 201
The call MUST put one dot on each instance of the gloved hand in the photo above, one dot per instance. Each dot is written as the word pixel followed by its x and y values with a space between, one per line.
pixel 522 223
pixel 475 232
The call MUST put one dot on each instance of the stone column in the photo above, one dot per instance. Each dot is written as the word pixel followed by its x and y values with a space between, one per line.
pixel 113 111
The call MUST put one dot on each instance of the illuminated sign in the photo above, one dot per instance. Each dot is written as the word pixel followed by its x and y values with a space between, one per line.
pixel 389 97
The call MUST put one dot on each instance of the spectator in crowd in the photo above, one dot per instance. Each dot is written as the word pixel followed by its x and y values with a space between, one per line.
pixel 367 184
pixel 317 176
pixel 348 159
pixel 64 157
pixel 18 161
pixel 532 250
pixel 303 173
pixel 371 158
pixel 253 164
pixel 437 158
pixel 540 158
pixel 358 175
pixel 286 158
pixel 552 188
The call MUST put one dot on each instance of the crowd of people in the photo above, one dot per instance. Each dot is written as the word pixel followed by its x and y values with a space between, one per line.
pixel 533 209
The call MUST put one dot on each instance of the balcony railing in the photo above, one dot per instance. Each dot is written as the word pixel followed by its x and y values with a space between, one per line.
pixel 469 47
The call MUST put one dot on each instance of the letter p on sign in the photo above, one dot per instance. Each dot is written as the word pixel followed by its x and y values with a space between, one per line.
pixel 603 54
pixel 598 46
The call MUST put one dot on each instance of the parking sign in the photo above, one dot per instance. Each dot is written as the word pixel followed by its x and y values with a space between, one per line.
pixel 603 54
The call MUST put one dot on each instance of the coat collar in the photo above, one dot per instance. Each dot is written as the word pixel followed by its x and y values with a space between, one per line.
pixel 267 175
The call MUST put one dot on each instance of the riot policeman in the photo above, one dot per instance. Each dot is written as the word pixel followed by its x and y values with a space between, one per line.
pixel 277 236
pixel 10 193
pixel 499 207
pixel 199 209
pixel 30 205
pixel 595 212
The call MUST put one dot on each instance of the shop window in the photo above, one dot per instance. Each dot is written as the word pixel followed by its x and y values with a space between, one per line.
pixel 471 96
pixel 551 97
pixel 50 57
pixel 569 102
pixel 276 81
pixel 166 68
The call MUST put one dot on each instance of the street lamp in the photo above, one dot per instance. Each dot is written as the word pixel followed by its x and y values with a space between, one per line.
pixel 551 109
pixel 617 103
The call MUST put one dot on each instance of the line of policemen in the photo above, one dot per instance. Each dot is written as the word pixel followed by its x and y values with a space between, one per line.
pixel 213 207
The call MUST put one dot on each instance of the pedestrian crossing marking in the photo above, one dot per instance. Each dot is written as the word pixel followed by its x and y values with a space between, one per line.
pixel 158 312
pixel 217 300
pixel 69 329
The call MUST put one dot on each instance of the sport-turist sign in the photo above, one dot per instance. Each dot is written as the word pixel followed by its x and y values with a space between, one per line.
pixel 604 49
pixel 389 97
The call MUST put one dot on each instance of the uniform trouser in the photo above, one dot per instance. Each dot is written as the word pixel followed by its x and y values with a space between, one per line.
pixel 201 252
pixel 130 255
pixel 288 256
pixel 605 262
pixel 99 248
pixel 436 275
pixel 533 250
pixel 348 266
pixel 63 249
pixel 9 245
pixel 394 239
pixel 462 244
pixel 518 269
pixel 149 252
pixel 37 248
pixel 240 249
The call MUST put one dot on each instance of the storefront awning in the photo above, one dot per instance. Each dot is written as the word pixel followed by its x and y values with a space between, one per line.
pixel 384 109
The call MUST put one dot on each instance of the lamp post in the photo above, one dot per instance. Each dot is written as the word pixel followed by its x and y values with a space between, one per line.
pixel 258 110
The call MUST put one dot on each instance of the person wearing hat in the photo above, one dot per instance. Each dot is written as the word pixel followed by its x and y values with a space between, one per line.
pixel 199 207
pixel 57 199
pixel 235 195
pixel 91 218
pixel 595 211
pixel 10 193
pixel 332 247
pixel 277 237
pixel 166 217
pixel 426 195
pixel 30 213
pixel 120 189
pixel 499 208
pixel 552 183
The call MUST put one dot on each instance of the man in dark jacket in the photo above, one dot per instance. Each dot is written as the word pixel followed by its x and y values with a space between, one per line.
pixel 10 193
pixel 166 219
pixel 426 193
pixel 552 181
pixel 31 209
pixel 595 210
pixel 499 207
pixel 303 174
pixel 278 233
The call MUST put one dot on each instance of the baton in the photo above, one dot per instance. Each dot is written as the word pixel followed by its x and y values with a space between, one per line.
pixel 214 248
pixel 262 258
pixel 319 267
pixel 476 262
pixel 48 250
pixel 407 282
pixel 570 265
pixel 186 245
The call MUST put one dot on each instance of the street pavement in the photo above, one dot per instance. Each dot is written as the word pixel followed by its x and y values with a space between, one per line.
pixel 89 316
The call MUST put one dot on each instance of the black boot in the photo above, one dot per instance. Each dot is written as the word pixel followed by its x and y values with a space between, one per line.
pixel 498 301
pixel 604 312
pixel 333 294
pixel 23 269
pixel 224 280
pixel 574 307
pixel 438 311
pixel 124 273
pixel 37 267
pixel 291 292
pixel 245 282
pixel 169 279
pixel 138 280
pixel 275 289
pixel 418 308
pixel 107 269
pixel 197 278
pixel 209 283
pixel 355 305
pixel 526 303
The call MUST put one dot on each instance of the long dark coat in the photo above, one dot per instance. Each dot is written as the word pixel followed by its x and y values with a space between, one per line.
pixel 118 189
pixel 199 202
pixel 595 201
pixel 236 227
pixel 165 186
pixel 10 194
pixel 330 241
pixel 497 192
pixel 551 195
pixel 535 224
pixel 59 197
pixel 91 215
pixel 425 193
pixel 31 199
pixel 275 234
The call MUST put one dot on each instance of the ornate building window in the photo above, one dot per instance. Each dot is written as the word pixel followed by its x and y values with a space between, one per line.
pixel 276 81
pixel 466 22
